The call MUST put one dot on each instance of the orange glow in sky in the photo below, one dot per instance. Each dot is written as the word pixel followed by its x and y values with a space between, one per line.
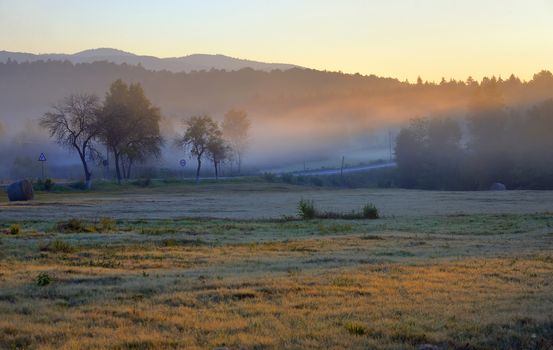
pixel 397 38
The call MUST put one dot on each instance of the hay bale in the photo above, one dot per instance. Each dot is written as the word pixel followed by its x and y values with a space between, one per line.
pixel 498 186
pixel 21 191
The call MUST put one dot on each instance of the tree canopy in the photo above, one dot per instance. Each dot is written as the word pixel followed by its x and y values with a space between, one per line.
pixel 130 126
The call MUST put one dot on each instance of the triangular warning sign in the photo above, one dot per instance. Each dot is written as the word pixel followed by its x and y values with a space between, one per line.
pixel 42 158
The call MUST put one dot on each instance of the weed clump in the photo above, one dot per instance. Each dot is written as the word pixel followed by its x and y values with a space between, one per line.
pixel 306 209
pixel 106 224
pixel 44 185
pixel 356 328
pixel 370 211
pixel 144 182
pixel 70 226
pixel 171 242
pixel 269 177
pixel 14 229
pixel 43 279
pixel 77 226
pixel 58 246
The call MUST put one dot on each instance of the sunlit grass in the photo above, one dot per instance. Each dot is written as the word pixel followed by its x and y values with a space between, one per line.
pixel 392 283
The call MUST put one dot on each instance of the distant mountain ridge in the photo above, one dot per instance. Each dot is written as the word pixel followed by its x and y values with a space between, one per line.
pixel 195 62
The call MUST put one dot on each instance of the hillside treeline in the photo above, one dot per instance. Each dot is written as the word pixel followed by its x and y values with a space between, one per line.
pixel 310 95
pixel 494 143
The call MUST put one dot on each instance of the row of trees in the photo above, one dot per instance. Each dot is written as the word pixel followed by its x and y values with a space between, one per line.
pixel 204 138
pixel 127 124
pixel 494 144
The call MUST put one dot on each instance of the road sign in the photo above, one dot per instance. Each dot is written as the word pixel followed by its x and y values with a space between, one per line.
pixel 42 159
pixel 182 162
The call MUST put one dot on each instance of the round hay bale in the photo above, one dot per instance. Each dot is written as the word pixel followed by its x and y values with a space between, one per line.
pixel 21 191
pixel 498 186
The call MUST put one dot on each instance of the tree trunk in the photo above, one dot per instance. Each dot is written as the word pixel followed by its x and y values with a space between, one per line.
pixel 87 173
pixel 239 164
pixel 124 167
pixel 129 169
pixel 215 164
pixel 198 169
pixel 117 169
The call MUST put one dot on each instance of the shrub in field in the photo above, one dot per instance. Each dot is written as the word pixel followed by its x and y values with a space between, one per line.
pixel 370 211
pixel 44 185
pixel 288 178
pixel 306 209
pixel 58 246
pixel 14 229
pixel 79 185
pixel 145 182
pixel 106 224
pixel 170 242
pixel 43 279
pixel 269 177
pixel 355 328
pixel 73 226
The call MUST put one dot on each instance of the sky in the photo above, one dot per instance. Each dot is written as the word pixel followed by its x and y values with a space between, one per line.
pixel 396 38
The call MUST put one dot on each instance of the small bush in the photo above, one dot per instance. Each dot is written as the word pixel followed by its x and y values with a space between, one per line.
pixel 288 178
pixel 71 226
pixel 44 185
pixel 58 246
pixel 269 177
pixel 356 328
pixel 370 211
pixel 106 225
pixel 146 182
pixel 48 185
pixel 316 181
pixel 79 185
pixel 171 242
pixel 306 209
pixel 43 279
pixel 14 229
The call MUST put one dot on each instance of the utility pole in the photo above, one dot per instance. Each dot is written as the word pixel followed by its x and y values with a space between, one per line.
pixel 390 143
pixel 342 167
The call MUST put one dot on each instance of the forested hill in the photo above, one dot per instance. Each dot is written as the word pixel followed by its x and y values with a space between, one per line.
pixel 303 102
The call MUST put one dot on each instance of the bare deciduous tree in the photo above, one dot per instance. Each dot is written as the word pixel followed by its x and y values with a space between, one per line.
pixel 73 122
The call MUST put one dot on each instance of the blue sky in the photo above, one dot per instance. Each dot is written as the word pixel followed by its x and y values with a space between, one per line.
pixel 399 38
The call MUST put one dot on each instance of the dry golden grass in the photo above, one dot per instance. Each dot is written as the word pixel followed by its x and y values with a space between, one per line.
pixel 484 303
pixel 458 282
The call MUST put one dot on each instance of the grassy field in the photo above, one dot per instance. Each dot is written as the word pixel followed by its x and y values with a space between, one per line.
pixel 139 269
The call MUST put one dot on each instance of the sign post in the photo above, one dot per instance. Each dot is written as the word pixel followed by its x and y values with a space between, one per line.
pixel 182 163
pixel 42 159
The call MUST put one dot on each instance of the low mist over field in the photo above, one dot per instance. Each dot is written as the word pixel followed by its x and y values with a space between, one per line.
pixel 298 115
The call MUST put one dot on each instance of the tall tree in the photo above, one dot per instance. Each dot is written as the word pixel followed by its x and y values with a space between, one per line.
pixel 217 150
pixel 429 154
pixel 130 126
pixel 201 131
pixel 73 122
pixel 236 128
